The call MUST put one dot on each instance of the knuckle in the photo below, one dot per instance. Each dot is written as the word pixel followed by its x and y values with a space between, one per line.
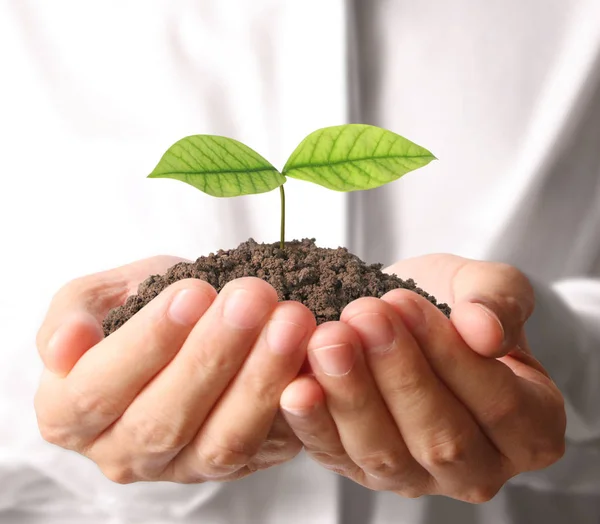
pixel 312 441
pixel 410 492
pixel 287 447
pixel 265 390
pixel 258 464
pixel 445 451
pixel 340 466
pixel 335 460
pixel 84 404
pixel 274 453
pixel 408 384
pixel 157 437
pixel 413 488
pixel 290 449
pixel 224 458
pixel 212 363
pixel 332 458
pixel 119 474
pixel 481 493
pixel 546 451
pixel 52 432
pixel 385 464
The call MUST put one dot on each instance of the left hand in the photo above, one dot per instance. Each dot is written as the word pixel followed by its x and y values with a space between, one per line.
pixel 404 399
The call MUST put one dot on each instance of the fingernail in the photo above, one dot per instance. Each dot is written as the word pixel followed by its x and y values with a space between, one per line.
pixel 283 337
pixel 54 339
pixel 375 330
pixel 336 360
pixel 221 472
pixel 187 306
pixel 52 350
pixel 412 314
pixel 298 412
pixel 243 310
pixel 489 313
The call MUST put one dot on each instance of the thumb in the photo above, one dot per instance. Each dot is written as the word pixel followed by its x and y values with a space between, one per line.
pixel 73 323
pixel 492 301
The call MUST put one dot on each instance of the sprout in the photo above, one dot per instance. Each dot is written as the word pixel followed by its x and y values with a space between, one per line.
pixel 349 157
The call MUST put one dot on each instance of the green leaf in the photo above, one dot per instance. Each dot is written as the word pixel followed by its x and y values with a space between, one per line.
pixel 219 166
pixel 354 156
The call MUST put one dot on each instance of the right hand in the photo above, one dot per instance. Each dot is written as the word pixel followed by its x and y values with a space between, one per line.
pixel 186 391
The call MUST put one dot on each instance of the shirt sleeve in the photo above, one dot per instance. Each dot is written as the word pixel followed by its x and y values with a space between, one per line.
pixel 564 334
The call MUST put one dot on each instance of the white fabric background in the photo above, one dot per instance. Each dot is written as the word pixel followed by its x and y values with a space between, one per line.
pixel 505 93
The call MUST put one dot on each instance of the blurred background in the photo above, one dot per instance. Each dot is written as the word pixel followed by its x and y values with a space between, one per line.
pixel 505 93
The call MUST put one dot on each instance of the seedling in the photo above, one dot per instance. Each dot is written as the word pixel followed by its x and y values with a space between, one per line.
pixel 349 157
pixel 343 158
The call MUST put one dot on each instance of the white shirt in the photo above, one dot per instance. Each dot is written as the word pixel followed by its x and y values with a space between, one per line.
pixel 505 93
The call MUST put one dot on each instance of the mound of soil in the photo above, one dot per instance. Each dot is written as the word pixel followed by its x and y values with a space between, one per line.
pixel 324 280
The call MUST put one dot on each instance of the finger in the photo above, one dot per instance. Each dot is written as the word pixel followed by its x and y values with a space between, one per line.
pixel 492 301
pixel 105 380
pixel 78 332
pixel 304 407
pixel 367 430
pixel 240 422
pixel 439 432
pixel 503 403
pixel 166 415
pixel 73 323
pixel 280 445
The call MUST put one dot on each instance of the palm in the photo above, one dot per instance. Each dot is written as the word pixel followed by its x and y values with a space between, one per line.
pixel 436 273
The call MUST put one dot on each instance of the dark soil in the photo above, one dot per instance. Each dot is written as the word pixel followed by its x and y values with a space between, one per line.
pixel 324 280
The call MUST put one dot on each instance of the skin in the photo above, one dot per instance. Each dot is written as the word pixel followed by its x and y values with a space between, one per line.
pixel 397 397
pixel 415 403
pixel 187 391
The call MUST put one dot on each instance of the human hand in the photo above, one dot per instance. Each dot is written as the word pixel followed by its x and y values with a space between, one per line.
pixel 186 391
pixel 405 400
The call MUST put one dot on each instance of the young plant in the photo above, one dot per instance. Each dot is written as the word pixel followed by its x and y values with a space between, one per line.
pixel 349 157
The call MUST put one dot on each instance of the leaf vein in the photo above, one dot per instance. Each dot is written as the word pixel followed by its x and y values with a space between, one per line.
pixel 317 138
pixel 363 131
pixel 218 144
pixel 217 155
pixel 203 154
pixel 334 143
pixel 353 160
pixel 220 172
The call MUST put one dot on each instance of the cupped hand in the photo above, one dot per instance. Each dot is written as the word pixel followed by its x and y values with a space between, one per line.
pixel 405 400
pixel 187 390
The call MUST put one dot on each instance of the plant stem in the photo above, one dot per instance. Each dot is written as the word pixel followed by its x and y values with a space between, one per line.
pixel 282 195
